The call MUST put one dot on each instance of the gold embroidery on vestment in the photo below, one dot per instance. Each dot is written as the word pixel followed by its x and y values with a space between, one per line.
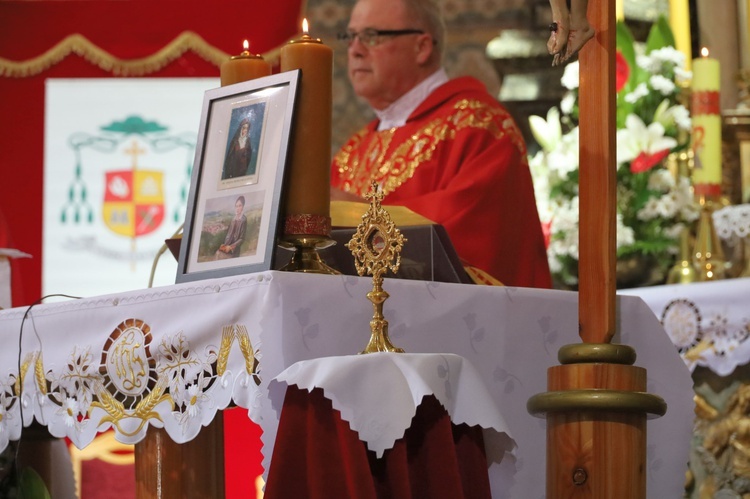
pixel 357 162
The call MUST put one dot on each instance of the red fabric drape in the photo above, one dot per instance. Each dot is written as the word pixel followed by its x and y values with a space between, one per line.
pixel 127 29
pixel 317 456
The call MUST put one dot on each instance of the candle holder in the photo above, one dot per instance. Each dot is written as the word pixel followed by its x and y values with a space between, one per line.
pixel 305 235
pixel 681 165
pixel 708 256
pixel 683 272
pixel 376 246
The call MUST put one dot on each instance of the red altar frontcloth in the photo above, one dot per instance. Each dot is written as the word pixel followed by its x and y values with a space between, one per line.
pixel 317 455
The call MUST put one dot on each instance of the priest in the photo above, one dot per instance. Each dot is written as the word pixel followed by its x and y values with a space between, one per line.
pixel 445 149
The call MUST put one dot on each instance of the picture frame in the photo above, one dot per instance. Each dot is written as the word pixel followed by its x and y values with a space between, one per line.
pixel 232 216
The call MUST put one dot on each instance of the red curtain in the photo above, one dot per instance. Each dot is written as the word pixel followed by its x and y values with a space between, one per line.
pixel 127 30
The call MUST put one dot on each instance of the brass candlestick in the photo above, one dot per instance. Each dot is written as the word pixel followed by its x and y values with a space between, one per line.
pixel 683 272
pixel 305 235
pixel 681 165
pixel 376 246
pixel 708 255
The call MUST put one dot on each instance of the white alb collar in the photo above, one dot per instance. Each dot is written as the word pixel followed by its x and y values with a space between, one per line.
pixel 397 113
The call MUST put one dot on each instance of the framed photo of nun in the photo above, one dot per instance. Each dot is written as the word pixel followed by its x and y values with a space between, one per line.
pixel 232 215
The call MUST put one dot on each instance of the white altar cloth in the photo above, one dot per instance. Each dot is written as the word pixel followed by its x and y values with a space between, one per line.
pixel 177 354
pixel 709 322
pixel 378 394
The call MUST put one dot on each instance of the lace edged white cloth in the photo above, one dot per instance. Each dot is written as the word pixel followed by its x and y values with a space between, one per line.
pixel 378 394
pixel 708 322
pixel 732 221
pixel 212 341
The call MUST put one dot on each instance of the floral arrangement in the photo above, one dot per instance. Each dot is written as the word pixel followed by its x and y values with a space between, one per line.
pixel 654 204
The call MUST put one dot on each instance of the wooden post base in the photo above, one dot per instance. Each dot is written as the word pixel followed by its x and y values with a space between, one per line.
pixel 193 470
pixel 596 428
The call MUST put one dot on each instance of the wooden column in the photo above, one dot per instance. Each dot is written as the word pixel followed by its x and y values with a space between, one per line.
pixel 193 470
pixel 596 406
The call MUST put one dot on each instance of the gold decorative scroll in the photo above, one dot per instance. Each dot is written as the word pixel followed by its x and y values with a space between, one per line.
pixel 83 47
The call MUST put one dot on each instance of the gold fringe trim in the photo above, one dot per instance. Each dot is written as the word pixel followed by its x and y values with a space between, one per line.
pixel 81 46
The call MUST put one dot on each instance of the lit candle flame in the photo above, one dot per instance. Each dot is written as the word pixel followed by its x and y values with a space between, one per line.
pixel 704 52
pixel 245 45
pixel 305 27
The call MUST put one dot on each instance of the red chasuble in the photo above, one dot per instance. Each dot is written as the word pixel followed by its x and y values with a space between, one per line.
pixel 461 161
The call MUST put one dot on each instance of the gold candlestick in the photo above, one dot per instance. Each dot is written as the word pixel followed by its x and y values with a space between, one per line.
pixel 683 272
pixel 708 256
pixel 376 246
pixel 305 235
pixel 681 164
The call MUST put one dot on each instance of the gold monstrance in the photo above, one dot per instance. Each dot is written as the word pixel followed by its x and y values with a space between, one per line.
pixel 376 246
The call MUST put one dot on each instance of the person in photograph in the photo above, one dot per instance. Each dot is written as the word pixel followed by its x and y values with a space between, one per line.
pixel 239 153
pixel 235 233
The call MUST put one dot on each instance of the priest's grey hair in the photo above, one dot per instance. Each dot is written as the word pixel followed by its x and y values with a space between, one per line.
pixel 428 14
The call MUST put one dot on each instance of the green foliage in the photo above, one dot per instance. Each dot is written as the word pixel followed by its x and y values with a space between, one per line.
pixel 31 485
pixel 660 35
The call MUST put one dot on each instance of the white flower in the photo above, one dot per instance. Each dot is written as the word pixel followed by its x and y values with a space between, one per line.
pixel 667 206
pixel 674 231
pixel 540 176
pixel 570 77
pixel 668 55
pixel 661 180
pixel 564 230
pixel 681 117
pixel 547 132
pixel 638 92
pixel 662 84
pixel 658 207
pixel 625 235
pixel 689 209
pixel 648 63
pixel 676 115
pixel 193 400
pixel 683 74
pixel 555 265
pixel 70 412
pixel 568 102
pixel 564 158
pixel 636 138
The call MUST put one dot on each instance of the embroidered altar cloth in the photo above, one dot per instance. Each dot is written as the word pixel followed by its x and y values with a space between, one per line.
pixel 172 356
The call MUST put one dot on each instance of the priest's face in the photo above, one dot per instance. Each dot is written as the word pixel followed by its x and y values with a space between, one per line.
pixel 383 68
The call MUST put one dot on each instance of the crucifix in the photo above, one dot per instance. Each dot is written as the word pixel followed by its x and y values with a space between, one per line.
pixel 596 404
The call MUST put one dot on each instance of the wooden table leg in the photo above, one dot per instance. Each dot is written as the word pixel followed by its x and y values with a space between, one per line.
pixel 193 470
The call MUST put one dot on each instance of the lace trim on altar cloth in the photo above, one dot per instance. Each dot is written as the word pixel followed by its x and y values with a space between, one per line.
pixel 732 221
pixel 137 373
pixel 409 378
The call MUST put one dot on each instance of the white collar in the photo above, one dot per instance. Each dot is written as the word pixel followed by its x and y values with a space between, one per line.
pixel 397 113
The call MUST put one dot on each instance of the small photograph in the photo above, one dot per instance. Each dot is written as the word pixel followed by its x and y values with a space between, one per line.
pixel 242 155
pixel 231 227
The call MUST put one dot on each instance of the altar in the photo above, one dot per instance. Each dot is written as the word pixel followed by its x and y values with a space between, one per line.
pixel 173 356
